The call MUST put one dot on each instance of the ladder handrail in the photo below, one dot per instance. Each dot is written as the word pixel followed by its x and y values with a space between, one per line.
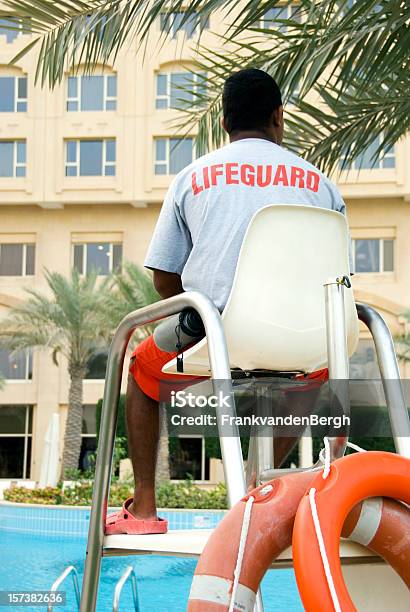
pixel 74 574
pixel 129 572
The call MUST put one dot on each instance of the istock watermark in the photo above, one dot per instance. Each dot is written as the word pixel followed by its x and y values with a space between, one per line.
pixel 182 399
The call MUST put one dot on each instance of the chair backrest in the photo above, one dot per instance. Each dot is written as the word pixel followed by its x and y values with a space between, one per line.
pixel 275 315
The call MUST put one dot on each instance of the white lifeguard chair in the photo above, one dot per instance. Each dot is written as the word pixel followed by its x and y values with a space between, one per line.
pixel 278 318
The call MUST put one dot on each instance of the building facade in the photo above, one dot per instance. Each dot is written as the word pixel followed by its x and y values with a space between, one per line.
pixel 83 172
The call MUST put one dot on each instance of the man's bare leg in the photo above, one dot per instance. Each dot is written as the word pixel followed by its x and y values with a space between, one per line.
pixel 142 415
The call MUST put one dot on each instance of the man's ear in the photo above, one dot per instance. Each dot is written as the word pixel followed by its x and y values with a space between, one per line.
pixel 223 123
pixel 277 116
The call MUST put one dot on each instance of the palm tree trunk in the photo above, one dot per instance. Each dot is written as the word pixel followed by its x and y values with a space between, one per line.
pixel 73 428
pixel 162 472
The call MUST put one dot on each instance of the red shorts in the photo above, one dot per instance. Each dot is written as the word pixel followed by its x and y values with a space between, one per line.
pixel 146 366
pixel 148 360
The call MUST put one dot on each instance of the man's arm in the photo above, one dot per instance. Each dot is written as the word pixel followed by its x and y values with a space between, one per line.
pixel 167 283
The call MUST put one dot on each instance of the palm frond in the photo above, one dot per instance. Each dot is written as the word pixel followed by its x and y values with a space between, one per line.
pixel 70 319
pixel 327 48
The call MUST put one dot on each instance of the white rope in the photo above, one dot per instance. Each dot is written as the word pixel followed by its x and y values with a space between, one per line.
pixel 241 551
pixel 355 447
pixel 324 456
pixel 322 549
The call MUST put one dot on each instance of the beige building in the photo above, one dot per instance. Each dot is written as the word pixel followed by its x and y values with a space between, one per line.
pixel 83 171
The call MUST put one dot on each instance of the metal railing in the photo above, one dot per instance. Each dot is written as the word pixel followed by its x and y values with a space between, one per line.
pixel 70 570
pixel 128 574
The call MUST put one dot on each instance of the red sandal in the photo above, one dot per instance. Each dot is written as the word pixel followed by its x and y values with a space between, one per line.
pixel 124 522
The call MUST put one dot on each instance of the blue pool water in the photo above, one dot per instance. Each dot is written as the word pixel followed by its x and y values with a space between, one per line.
pixel 38 543
pixel 33 562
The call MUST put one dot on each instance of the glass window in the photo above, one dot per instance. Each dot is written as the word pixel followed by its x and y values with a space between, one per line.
pixel 388 255
pixel 90 157
pixel 272 15
pixel 96 366
pixel 91 152
pixel 188 460
pixel 105 257
pixel 366 161
pixel 180 154
pixel 98 258
pixel 173 23
pixel 373 255
pixel 172 155
pixel 16 365
pixel 92 93
pixel 17 259
pixel 179 89
pixel 12 158
pixel 15 441
pixel 13 94
pixel 88 437
pixel 9 28
pixel 7 91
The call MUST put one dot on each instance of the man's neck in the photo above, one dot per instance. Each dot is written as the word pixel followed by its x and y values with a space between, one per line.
pixel 242 135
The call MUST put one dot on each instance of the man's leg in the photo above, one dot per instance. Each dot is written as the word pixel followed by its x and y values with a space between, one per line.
pixel 142 415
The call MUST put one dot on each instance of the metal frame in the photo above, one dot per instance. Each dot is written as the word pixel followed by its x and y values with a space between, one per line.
pixel 74 574
pixel 221 376
pixel 230 444
pixel 129 572
pixel 390 375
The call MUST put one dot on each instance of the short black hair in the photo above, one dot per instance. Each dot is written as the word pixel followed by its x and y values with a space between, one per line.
pixel 249 98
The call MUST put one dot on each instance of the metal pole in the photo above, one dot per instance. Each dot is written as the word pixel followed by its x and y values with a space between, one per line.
pixel 230 446
pixel 390 374
pixel 337 356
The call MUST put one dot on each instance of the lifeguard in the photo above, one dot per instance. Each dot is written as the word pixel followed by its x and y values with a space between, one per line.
pixel 196 245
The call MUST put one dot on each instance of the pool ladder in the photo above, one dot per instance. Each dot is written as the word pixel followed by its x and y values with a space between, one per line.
pixel 70 570
pixel 129 574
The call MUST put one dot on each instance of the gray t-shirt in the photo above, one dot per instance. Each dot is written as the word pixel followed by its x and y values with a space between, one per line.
pixel 209 204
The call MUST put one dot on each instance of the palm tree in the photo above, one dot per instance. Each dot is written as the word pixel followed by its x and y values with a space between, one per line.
pixel 348 60
pixel 129 290
pixel 403 343
pixel 71 321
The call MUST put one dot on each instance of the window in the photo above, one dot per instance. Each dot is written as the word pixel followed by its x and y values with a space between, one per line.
pixel 13 94
pixel 105 257
pixel 16 427
pixel 373 255
pixel 172 154
pixel 172 23
pixel 269 20
pixel 88 437
pixel 92 93
pixel 90 157
pixel 16 365
pixel 96 366
pixel 187 458
pixel 12 158
pixel 17 259
pixel 10 28
pixel 366 161
pixel 178 89
pixel 363 363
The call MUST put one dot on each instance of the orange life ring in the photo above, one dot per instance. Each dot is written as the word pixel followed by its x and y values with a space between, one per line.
pixel 350 480
pixel 270 533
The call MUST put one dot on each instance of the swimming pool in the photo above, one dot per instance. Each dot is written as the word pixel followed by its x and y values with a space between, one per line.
pixel 34 552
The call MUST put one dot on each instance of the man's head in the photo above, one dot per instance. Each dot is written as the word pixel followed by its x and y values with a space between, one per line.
pixel 252 104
